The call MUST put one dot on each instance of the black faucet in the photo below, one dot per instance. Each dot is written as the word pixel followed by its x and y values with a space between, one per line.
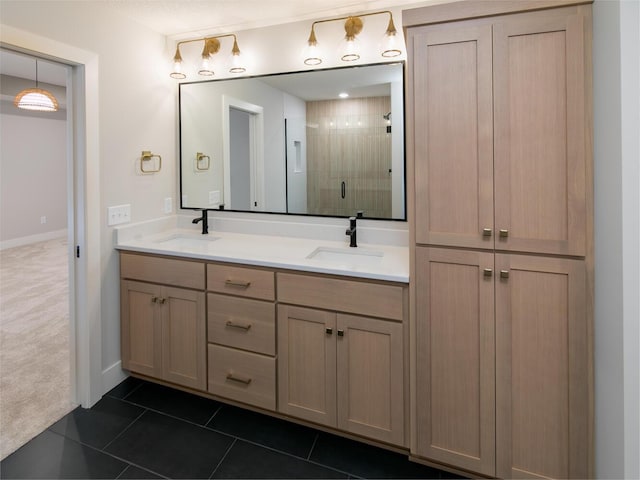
pixel 351 231
pixel 205 221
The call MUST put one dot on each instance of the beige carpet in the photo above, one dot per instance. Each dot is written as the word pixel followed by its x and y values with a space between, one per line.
pixel 34 341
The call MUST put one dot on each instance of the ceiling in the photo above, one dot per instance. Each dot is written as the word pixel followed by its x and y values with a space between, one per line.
pixel 180 18
pixel 186 18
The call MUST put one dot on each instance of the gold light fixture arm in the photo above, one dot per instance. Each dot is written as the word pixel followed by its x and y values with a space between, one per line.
pixel 211 47
pixel 352 26
pixel 147 156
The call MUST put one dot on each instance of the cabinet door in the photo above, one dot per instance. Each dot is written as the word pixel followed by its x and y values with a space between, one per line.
pixel 455 369
pixel 307 364
pixel 539 112
pixel 370 378
pixel 541 368
pixel 453 134
pixel 184 337
pixel 141 328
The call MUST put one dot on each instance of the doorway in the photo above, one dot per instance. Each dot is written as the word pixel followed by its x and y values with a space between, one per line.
pixel 83 212
pixel 243 154
pixel 35 263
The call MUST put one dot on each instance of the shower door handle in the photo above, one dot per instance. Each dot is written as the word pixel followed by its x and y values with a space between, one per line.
pixel 343 189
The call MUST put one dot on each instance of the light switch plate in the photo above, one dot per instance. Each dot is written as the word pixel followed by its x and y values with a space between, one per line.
pixel 168 205
pixel 118 214
pixel 214 197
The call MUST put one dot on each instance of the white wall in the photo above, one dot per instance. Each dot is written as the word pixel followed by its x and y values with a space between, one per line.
pixel 616 126
pixel 33 177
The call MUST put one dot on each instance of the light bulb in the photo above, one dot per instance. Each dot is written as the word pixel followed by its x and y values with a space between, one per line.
pixel 350 50
pixel 177 66
pixel 205 68
pixel 236 60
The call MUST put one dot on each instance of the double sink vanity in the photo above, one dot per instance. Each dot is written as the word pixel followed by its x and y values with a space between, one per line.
pixel 312 330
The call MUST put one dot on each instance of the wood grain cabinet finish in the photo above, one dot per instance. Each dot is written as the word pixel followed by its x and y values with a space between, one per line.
pixel 542 363
pixel 500 128
pixel 455 364
pixel 342 371
pixel 243 376
pixel 242 334
pixel 164 333
pixel 307 364
pixel 499 139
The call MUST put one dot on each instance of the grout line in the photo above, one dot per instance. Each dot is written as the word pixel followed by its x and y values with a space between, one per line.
pixel 173 416
pixel 315 440
pixel 123 460
pixel 132 391
pixel 123 431
pixel 212 416
pixel 223 458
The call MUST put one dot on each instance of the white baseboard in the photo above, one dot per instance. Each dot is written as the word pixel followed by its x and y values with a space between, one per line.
pixel 112 376
pixel 40 237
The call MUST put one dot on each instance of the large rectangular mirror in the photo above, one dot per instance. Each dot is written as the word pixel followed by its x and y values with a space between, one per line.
pixel 323 142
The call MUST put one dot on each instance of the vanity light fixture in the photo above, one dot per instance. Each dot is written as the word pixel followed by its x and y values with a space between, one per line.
pixel 210 48
pixel 36 98
pixel 350 49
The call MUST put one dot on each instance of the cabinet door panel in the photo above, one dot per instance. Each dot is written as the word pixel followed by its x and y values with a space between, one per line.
pixel 453 135
pixel 541 358
pixel 370 378
pixel 539 116
pixel 307 364
pixel 184 337
pixel 455 358
pixel 141 328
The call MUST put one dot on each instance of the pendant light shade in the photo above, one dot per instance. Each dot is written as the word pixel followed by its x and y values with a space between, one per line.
pixel 36 98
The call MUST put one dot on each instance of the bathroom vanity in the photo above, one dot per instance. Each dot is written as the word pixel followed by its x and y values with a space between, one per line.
pixel 312 331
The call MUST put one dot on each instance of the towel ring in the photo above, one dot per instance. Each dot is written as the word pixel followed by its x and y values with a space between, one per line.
pixel 146 157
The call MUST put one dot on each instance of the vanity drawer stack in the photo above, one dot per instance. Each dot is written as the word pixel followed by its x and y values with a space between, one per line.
pixel 241 334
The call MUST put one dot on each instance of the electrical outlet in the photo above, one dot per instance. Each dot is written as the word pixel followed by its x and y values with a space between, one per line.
pixel 118 214
pixel 214 197
pixel 43 220
pixel 168 205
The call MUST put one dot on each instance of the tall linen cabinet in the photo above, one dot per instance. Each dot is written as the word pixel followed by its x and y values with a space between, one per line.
pixel 499 149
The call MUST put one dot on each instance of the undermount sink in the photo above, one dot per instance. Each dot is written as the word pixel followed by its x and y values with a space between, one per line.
pixel 347 256
pixel 185 240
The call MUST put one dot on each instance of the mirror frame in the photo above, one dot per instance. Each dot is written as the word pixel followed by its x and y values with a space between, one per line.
pixel 402 63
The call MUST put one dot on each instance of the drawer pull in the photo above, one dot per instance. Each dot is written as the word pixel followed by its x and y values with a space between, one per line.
pixel 237 283
pixel 488 272
pixel 154 299
pixel 504 273
pixel 234 378
pixel 341 333
pixel 328 331
pixel 486 232
pixel 504 233
pixel 237 325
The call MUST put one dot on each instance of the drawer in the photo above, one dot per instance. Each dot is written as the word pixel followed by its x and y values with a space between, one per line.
pixel 246 282
pixel 168 271
pixel 242 323
pixel 242 376
pixel 351 296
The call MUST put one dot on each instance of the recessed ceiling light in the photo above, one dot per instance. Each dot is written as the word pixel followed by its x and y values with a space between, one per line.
pixel 343 95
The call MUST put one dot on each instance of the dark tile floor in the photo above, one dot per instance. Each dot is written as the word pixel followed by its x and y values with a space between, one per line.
pixel 143 430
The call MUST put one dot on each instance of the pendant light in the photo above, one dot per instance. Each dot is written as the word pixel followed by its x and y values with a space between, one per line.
pixel 36 98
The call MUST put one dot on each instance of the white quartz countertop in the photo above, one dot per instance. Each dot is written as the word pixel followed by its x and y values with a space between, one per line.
pixel 373 261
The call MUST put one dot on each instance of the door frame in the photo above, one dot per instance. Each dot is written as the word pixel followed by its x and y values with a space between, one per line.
pixel 256 127
pixel 83 205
